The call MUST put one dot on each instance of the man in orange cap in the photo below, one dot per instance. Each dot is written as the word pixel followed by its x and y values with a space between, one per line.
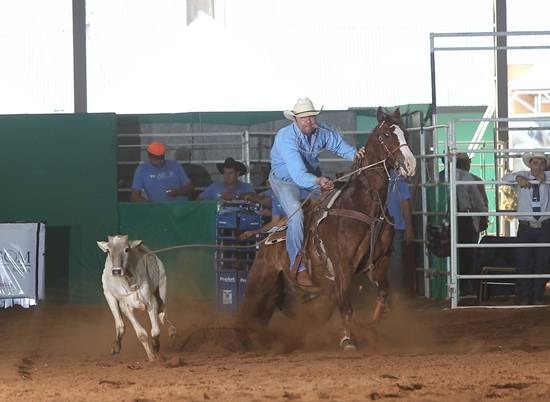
pixel 160 180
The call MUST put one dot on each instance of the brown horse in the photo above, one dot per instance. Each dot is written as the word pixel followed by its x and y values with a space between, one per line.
pixel 347 233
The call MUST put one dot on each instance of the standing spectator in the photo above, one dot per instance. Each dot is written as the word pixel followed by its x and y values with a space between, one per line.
pixel 532 197
pixel 160 180
pixel 231 188
pixel 470 198
pixel 399 208
pixel 463 164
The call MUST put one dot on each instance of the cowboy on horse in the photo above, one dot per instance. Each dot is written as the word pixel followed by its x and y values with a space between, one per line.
pixel 295 166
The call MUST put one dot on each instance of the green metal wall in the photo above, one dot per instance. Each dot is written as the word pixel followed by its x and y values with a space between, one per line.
pixel 61 169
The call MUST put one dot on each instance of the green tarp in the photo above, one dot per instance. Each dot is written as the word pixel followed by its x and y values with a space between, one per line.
pixel 190 269
pixel 61 169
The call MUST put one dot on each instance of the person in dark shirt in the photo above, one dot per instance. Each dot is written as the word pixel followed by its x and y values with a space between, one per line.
pixel 198 174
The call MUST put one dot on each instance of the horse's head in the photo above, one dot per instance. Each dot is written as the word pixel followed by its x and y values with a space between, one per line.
pixel 392 136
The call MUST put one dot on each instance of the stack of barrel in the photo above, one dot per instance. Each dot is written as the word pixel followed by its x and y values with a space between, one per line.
pixel 234 257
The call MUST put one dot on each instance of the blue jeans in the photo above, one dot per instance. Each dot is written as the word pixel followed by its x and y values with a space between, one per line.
pixel 396 269
pixel 532 261
pixel 288 194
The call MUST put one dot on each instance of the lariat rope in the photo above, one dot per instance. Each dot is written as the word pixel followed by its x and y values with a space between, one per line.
pixel 259 243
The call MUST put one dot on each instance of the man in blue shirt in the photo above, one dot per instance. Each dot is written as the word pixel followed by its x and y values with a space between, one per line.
pixel 277 218
pixel 399 208
pixel 159 179
pixel 295 166
pixel 231 188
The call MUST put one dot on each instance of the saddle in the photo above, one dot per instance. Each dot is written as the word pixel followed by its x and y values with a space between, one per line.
pixel 276 236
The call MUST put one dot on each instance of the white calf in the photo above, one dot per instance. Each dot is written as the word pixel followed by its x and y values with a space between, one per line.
pixel 134 279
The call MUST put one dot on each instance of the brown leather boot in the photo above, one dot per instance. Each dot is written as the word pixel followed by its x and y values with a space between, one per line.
pixel 304 279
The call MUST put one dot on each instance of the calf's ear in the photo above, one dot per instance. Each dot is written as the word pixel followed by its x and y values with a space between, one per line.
pixel 103 245
pixel 135 243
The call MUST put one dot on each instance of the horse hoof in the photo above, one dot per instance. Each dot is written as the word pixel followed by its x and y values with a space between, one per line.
pixel 349 348
pixel 156 344
pixel 347 345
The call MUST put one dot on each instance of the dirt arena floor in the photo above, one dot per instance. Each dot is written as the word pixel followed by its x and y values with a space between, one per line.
pixel 423 352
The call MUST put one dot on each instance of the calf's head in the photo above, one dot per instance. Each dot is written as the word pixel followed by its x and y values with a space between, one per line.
pixel 118 249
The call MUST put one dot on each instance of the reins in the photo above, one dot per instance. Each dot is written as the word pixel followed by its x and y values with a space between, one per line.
pixel 324 197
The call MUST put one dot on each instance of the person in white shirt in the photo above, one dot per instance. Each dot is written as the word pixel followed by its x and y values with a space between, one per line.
pixel 470 198
pixel 533 196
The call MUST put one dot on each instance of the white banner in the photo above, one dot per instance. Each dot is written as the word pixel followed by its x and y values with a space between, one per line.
pixel 22 270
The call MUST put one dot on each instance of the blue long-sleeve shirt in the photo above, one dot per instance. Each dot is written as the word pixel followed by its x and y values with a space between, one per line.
pixel 295 157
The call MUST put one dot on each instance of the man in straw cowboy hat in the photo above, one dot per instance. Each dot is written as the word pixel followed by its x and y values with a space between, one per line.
pixel 231 188
pixel 533 196
pixel 295 166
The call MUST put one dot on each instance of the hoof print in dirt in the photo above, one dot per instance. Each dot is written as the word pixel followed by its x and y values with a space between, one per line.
pixel 217 339
pixel 135 366
pixel 116 384
pixel 374 396
pixel 409 387
pixel 24 368
pixel 291 396
pixel 176 361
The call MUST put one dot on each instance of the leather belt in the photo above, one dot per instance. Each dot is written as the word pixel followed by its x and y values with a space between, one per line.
pixel 533 224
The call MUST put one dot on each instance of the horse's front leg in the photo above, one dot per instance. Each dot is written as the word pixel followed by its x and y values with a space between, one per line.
pixel 380 277
pixel 347 344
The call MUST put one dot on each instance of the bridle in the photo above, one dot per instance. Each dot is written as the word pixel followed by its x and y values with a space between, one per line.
pixel 381 126
pixel 389 152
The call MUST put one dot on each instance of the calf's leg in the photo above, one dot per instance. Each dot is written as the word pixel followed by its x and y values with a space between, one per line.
pixel 140 331
pixel 152 310
pixel 161 299
pixel 119 323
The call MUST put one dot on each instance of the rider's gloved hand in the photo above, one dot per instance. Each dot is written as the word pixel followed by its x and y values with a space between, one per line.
pixel 325 183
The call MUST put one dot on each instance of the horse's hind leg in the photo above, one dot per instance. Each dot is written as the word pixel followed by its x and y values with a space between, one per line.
pixel 263 291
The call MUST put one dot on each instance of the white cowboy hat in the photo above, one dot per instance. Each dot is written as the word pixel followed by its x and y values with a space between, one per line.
pixel 526 158
pixel 303 108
